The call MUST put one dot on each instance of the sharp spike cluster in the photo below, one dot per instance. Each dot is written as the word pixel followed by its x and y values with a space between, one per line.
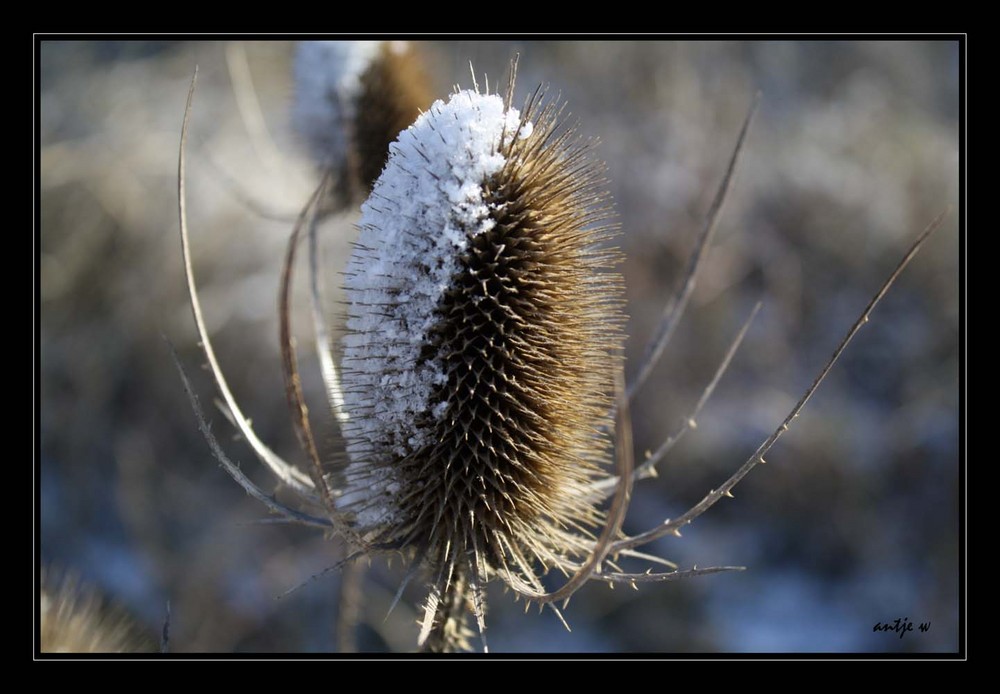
pixel 485 324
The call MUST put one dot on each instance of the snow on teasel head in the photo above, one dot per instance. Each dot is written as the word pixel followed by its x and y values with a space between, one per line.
pixel 484 331
pixel 352 98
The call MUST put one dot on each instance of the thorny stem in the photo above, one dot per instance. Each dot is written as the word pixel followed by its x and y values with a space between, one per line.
pixel 346 561
pixel 289 362
pixel 675 308
pixel 444 629
pixel 674 526
pixel 234 470
pixel 648 467
pixel 648 577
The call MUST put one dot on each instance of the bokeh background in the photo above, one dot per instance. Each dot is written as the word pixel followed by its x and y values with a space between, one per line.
pixel 853 521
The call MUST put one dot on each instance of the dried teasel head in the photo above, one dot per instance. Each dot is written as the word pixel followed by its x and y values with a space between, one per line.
pixel 484 332
pixel 352 99
pixel 74 619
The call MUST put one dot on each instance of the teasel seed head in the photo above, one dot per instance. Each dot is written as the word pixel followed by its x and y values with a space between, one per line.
pixel 484 331
pixel 352 99
pixel 74 619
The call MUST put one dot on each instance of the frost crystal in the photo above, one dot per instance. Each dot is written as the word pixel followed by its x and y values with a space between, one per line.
pixel 427 204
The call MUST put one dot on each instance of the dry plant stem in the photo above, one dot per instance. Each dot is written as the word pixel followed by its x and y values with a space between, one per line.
pixel 252 117
pixel 650 577
pixel 324 345
pixel 339 565
pixel 674 526
pixel 675 308
pixel 288 475
pixel 290 368
pixel 648 468
pixel 443 629
pixel 233 469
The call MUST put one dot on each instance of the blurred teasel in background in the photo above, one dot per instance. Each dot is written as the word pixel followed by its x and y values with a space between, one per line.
pixel 351 100
pixel 75 619
pixel 455 384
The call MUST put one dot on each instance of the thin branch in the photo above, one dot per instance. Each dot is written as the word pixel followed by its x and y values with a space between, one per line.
pixel 648 468
pixel 292 477
pixel 324 345
pixel 662 577
pixel 674 526
pixel 675 308
pixel 346 560
pixel 289 362
pixel 265 521
pixel 234 471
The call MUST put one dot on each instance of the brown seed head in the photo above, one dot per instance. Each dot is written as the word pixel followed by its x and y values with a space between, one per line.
pixel 478 424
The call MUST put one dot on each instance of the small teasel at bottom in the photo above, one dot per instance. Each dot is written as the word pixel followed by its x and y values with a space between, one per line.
pixel 74 618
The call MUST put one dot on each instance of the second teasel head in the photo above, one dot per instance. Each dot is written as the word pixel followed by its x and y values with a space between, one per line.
pixel 352 99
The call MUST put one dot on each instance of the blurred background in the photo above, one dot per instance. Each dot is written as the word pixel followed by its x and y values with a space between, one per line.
pixel 853 521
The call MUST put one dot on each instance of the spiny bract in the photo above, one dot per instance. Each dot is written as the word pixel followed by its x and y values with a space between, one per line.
pixel 484 331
